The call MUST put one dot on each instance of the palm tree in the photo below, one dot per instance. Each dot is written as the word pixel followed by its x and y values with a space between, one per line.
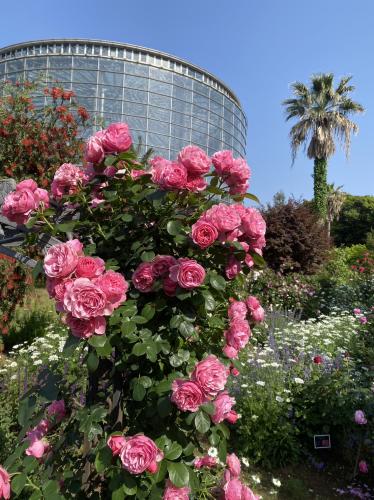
pixel 322 112
pixel 335 202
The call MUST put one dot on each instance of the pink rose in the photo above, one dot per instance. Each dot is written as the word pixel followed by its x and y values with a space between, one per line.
pixel 37 448
pixel 85 328
pixel 247 494
pixel 114 286
pixel 234 372
pixel 161 265
pixel 230 352
pixel 233 267
pixel 61 260
pixel 89 267
pixel 116 138
pixel 195 160
pixel 205 461
pixel 94 152
pixel 233 464
pixel 238 334
pixel 85 300
pixel 143 278
pixel 363 320
pixel 211 375
pixel 67 180
pixel 187 395
pixel 5 484
pixel 257 312
pixel 57 410
pixel 253 223
pixel 139 453
pixel 168 175
pixel 195 184
pixel 258 315
pixel 116 444
pixel 204 233
pixel 222 161
pixel 239 172
pixel 39 431
pixel 233 490
pixel 356 311
pixel 187 273
pixel 237 310
pixel 41 197
pixel 239 188
pixel 223 217
pixel 173 493
pixel 360 418
pixel 169 286
pixel 135 174
pixel 363 467
pixel 27 184
pixel 252 303
pixel 222 407
pixel 18 206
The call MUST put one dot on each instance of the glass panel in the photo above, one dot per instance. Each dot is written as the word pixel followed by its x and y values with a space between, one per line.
pixel 159 113
pixel 228 127
pixel 112 118
pixel 135 95
pixel 82 76
pixel 112 106
pixel 182 106
pixel 85 90
pixel 132 108
pixel 216 108
pixel 62 75
pixel 161 152
pixel 136 123
pixel 179 119
pixel 85 62
pixel 110 65
pixel 60 62
pixel 198 138
pixel 216 120
pixel 228 115
pixel 110 92
pixel 97 50
pixel 159 74
pixel 160 87
pixel 183 94
pixel 158 127
pixel 88 102
pixel 215 132
pixel 199 112
pixel 182 81
pixel 216 96
pixel 2 68
pixel 228 104
pixel 201 100
pixel 160 100
pixel 157 140
pixel 178 144
pixel 200 125
pixel 136 82
pixel 36 74
pixel 111 78
pixel 16 65
pixel 227 138
pixel 136 69
pixel 214 144
pixel 14 77
pixel 36 62
pixel 180 132
pixel 38 101
pixel 105 51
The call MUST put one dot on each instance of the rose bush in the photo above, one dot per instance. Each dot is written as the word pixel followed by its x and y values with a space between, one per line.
pixel 141 283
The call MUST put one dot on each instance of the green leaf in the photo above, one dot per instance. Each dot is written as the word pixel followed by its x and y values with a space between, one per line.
pixel 161 473
pixel 174 227
pixel 70 345
pixel 31 222
pixel 251 196
pixel 139 349
pixel 163 386
pixel 217 282
pixel 151 351
pixel 37 269
pixel 186 329
pixel 129 485
pixel 148 311
pixel 258 259
pixel 128 327
pixel 118 494
pixel 66 227
pixel 139 319
pixel 138 392
pixel 97 340
pixel 110 195
pixel 173 451
pixel 164 406
pixel 222 451
pixel 110 160
pixel 209 408
pixel 103 459
pixel 178 474
pixel 147 256
pixel 146 382
pixel 202 422
pixel 92 362
pixel 127 217
pixel 50 488
pixel 210 303
pixel 18 483
pixel 25 410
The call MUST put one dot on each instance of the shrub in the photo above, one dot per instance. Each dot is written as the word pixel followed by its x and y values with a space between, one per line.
pixel 33 141
pixel 356 220
pixel 295 239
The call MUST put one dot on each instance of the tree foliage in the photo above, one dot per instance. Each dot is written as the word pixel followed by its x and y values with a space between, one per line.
pixel 295 240
pixel 355 222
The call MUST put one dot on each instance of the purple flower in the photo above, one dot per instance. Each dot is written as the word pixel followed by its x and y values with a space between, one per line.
pixel 360 417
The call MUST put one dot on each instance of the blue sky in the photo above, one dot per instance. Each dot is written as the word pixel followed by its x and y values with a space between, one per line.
pixel 258 47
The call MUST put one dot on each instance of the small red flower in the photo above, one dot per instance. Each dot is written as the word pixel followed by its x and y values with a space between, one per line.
pixel 317 360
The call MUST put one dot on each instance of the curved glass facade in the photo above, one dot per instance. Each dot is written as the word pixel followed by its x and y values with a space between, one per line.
pixel 167 102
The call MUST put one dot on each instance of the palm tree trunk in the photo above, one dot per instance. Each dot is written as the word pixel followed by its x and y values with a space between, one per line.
pixel 320 187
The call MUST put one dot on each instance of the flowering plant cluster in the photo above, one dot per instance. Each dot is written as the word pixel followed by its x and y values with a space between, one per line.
pixel 140 279
pixel 34 142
